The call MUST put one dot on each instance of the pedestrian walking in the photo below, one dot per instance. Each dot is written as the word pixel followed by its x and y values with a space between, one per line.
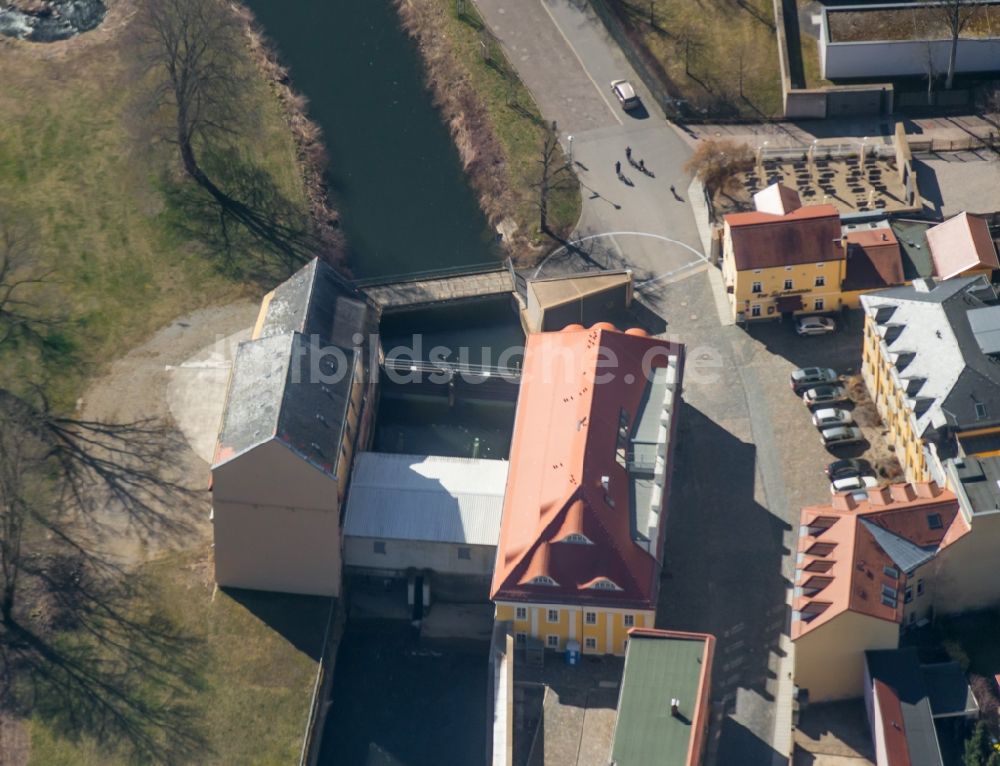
pixel 642 165
pixel 673 190
pixel 618 167
pixel 628 152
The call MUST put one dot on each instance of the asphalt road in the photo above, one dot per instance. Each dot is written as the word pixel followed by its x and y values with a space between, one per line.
pixel 566 58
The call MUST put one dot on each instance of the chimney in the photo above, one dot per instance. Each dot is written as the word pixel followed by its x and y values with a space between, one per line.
pixel 605 481
pixel 885 237
pixel 878 497
pixel 675 707
pixel 902 493
pixel 927 489
pixel 843 502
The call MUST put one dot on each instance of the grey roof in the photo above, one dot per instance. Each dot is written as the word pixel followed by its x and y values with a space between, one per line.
pixel 900 670
pixel 948 690
pixel 904 554
pixel 912 238
pixel 316 300
pixel 284 387
pixel 985 325
pixel 980 479
pixel 930 338
pixel 426 497
pixel 292 382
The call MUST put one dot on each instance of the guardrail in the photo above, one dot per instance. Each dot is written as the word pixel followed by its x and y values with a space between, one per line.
pixel 443 273
pixel 452 368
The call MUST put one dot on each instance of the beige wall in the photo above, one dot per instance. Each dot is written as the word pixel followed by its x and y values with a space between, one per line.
pixel 830 662
pixel 276 523
pixel 967 575
pixel 404 554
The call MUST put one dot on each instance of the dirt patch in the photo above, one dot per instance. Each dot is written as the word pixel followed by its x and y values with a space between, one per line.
pixel 880 453
pixel 15 743
pixel 481 153
pixel 136 386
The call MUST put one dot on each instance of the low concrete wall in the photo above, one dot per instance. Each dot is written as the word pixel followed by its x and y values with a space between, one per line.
pixel 903 58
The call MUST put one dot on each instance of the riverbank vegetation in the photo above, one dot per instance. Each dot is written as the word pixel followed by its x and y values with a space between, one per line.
pixel 719 56
pixel 103 661
pixel 499 132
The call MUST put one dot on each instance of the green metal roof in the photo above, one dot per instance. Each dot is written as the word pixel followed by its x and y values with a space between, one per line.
pixel 657 669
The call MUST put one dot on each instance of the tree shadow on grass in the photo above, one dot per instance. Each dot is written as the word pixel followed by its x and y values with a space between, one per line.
pixel 92 665
pixel 250 228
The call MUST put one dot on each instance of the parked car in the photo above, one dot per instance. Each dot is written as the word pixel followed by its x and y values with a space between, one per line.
pixel 625 94
pixel 815 325
pixel 832 416
pixel 853 483
pixel 839 436
pixel 825 395
pixel 845 469
pixel 811 376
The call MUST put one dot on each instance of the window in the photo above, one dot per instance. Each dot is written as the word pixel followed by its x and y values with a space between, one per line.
pixel 920 587
pixel 888 591
pixel 465 553
pixel 757 271
pixel 553 615
pixel 818 304
pixel 909 594
pixel 590 643
pixel 590 618
pixel 980 411
pixel 521 613
pixel 576 537
pixel 934 521
pixel 889 571
pixel 788 268
pixel 789 284
pixel 604 584
pixel 757 287
pixel 552 642
pixel 629 620
pixel 821 281
pixel 543 580
pixel 755 311
pixel 378 547
pixel 521 638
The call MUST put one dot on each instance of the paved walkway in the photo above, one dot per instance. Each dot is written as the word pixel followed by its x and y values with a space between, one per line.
pixel 566 58
pixel 424 291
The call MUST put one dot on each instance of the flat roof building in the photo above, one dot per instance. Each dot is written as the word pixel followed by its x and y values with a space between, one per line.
pixel 664 700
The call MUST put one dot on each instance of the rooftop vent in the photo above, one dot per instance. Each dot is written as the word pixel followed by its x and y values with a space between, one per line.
pixel 675 707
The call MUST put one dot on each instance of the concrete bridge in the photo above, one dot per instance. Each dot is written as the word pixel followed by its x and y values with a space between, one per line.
pixel 421 289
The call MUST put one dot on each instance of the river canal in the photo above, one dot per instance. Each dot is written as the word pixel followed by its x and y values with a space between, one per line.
pixel 394 172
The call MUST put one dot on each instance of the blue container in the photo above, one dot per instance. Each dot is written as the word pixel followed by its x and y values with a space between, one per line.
pixel 572 652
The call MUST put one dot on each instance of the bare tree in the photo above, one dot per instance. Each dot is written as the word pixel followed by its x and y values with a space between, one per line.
pixel 555 175
pixel 20 278
pixel 717 163
pixel 192 50
pixel 956 15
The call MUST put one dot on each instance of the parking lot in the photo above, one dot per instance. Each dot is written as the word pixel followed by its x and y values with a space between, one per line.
pixel 748 459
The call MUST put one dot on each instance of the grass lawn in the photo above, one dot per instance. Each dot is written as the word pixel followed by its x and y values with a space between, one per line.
pixel 706 49
pixel 88 192
pixel 249 681
pixel 513 116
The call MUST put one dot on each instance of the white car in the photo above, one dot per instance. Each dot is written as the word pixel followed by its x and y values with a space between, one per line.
pixel 832 416
pixel 853 483
pixel 836 436
pixel 815 325
pixel 625 94
pixel 825 395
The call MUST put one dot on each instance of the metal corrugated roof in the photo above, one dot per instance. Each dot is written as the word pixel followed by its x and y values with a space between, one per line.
pixel 426 497
pixel 904 554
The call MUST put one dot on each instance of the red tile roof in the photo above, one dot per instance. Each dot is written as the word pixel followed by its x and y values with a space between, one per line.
pixel 566 434
pixel 764 240
pixel 874 260
pixel 843 552
pixel 897 749
pixel 959 244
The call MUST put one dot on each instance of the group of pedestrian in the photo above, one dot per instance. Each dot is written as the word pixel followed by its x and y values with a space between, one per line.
pixel 639 165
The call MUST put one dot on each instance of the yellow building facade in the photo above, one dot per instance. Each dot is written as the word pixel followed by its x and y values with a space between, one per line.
pixel 783 264
pixel 598 629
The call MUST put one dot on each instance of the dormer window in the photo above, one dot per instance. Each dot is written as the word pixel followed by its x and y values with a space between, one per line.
pixel 934 521
pixel 604 584
pixel 543 580
pixel 980 411
pixel 576 538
